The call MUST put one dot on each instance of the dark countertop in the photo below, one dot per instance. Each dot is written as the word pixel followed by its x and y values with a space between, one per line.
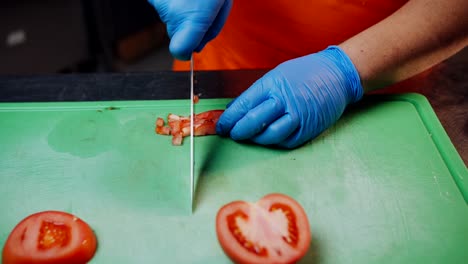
pixel 445 86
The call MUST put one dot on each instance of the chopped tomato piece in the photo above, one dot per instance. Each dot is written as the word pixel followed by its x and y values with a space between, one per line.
pixel 273 230
pixel 179 126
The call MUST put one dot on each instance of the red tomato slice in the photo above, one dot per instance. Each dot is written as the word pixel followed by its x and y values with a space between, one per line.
pixel 50 237
pixel 273 230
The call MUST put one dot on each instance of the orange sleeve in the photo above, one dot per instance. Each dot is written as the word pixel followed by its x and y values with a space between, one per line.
pixel 261 34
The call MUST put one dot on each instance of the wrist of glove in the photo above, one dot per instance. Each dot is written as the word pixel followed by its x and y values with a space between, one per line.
pixel 294 102
pixel 191 23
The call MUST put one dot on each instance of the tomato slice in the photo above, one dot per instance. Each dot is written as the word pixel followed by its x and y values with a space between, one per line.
pixel 275 229
pixel 50 237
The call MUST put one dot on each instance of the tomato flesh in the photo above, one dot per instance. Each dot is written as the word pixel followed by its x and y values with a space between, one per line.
pixel 53 235
pixel 50 237
pixel 273 230
pixel 235 230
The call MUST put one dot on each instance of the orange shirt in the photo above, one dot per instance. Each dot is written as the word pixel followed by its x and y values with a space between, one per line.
pixel 260 34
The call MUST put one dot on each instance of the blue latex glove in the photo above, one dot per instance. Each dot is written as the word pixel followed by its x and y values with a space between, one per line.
pixel 294 102
pixel 191 23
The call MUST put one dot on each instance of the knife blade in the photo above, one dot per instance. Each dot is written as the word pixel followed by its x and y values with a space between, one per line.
pixel 192 158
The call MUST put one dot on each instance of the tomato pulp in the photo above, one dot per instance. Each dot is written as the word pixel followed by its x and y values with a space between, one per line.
pixel 50 237
pixel 275 229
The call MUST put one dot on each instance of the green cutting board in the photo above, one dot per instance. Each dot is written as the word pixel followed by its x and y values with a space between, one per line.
pixel 384 185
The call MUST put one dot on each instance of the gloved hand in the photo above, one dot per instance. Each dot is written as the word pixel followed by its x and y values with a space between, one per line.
pixel 191 23
pixel 294 102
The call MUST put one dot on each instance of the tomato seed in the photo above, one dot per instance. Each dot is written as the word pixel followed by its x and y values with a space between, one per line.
pixel 53 234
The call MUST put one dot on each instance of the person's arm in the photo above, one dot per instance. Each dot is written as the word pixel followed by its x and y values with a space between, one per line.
pixel 300 98
pixel 419 35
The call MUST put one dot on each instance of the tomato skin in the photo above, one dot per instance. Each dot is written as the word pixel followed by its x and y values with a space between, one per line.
pixel 243 250
pixel 78 240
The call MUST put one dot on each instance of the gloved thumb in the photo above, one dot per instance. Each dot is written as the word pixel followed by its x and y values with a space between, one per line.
pixel 185 40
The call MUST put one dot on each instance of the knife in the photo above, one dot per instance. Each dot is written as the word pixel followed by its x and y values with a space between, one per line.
pixel 192 160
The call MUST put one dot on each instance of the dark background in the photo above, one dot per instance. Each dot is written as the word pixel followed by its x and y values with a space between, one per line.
pixel 63 36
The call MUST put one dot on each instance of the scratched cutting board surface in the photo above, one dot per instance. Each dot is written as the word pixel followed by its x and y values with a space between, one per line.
pixel 384 185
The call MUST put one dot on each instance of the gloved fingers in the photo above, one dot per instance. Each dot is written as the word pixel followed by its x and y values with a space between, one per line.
pixel 257 119
pixel 278 131
pixel 239 107
pixel 217 25
pixel 185 39
pixel 230 103
pixel 155 3
pixel 294 140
